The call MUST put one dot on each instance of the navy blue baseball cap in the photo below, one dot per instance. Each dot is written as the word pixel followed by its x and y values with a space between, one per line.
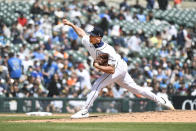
pixel 96 32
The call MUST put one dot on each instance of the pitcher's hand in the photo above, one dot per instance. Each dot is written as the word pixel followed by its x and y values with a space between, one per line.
pixel 66 22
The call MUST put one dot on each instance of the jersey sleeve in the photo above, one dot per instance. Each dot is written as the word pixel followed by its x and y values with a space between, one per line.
pixel 112 61
pixel 85 40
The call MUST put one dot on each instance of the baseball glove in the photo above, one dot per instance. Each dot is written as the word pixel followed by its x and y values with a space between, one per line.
pixel 102 59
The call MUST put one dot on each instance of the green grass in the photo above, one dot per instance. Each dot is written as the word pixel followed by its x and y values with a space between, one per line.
pixel 48 126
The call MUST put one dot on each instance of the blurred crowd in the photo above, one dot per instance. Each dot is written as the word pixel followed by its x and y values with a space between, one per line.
pixel 45 66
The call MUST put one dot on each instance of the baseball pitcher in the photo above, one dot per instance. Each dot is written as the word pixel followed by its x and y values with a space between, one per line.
pixel 114 68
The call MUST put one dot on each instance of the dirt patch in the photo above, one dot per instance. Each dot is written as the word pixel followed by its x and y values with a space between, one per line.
pixel 163 116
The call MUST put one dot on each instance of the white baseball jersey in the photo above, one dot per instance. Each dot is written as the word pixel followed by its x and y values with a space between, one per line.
pixel 121 75
pixel 94 52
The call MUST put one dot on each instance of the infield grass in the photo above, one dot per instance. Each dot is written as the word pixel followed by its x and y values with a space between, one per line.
pixel 49 126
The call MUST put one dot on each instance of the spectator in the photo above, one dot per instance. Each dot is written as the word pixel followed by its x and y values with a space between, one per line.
pixel 156 41
pixel 163 4
pixel 24 91
pixel 22 20
pixel 6 30
pixel 182 90
pixel 48 44
pixel 60 14
pixel 38 54
pixel 121 16
pixel 150 4
pixel 72 80
pixel 134 43
pixel 49 69
pixel 54 86
pixel 193 93
pixel 14 90
pixel 55 106
pixel 27 63
pixel 2 39
pixel 39 32
pixel 84 78
pixel 3 73
pixel 56 38
pixel 112 108
pixel 141 17
pixel 75 13
pixel 36 8
pixel 72 34
pixel 181 37
pixel 128 16
pixel 137 5
pixel 101 3
pixel 124 5
pixel 106 15
pixel 92 8
pixel 172 32
pixel 3 87
pixel 14 67
pixel 36 73
pixel 32 39
pixel 117 91
pixel 111 13
pixel 177 3
pixel 104 25
pixel 150 16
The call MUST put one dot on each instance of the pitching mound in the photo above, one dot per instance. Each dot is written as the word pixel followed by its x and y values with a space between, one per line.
pixel 163 116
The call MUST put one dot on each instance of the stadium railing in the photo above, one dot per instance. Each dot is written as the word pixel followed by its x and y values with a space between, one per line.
pixel 109 105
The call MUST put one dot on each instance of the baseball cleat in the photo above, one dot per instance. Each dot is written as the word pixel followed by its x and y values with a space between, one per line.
pixel 167 104
pixel 80 114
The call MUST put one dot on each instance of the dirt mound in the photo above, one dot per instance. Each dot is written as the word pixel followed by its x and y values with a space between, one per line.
pixel 162 116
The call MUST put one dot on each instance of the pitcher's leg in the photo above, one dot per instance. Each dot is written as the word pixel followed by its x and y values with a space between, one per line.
pixel 99 83
pixel 103 81
pixel 128 83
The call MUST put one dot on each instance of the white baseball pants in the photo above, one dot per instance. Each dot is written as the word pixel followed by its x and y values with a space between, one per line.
pixel 123 79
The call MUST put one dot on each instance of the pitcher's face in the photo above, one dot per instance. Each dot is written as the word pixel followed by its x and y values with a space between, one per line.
pixel 95 39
